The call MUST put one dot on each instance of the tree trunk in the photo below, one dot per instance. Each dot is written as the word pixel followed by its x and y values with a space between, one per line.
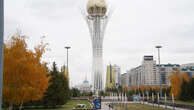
pixel 21 106
pixel 10 106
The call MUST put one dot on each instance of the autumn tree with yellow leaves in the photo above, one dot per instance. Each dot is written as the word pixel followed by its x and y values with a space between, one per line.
pixel 125 88
pixel 176 80
pixel 25 75
pixel 156 88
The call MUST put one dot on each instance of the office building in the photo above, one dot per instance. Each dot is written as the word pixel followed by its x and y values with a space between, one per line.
pixel 188 68
pixel 110 77
pixel 117 72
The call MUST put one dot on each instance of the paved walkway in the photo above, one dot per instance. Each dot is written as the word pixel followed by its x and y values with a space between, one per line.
pixel 169 107
pixel 106 107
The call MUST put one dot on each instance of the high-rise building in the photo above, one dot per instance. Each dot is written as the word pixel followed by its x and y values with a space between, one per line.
pixel 97 17
pixel 165 70
pixel 135 76
pixel 145 74
pixel 117 71
pixel 150 74
pixel 113 76
pixel 110 77
pixel 125 80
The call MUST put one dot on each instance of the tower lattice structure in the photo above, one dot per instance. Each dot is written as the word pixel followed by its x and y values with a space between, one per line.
pixel 97 19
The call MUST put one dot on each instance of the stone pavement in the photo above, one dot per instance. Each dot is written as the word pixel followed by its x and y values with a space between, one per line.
pixel 106 107
pixel 169 107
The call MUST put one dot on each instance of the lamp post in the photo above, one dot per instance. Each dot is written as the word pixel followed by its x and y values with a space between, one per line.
pixel 158 47
pixel 67 56
pixel 1 47
pixel 67 47
pixel 117 87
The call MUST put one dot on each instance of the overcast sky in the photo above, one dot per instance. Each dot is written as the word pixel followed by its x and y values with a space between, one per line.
pixel 134 29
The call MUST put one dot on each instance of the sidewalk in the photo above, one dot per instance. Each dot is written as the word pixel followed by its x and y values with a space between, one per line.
pixel 169 107
pixel 106 107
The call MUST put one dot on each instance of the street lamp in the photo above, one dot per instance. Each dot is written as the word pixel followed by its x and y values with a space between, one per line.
pixel 67 56
pixel 1 47
pixel 158 47
pixel 67 62
pixel 117 87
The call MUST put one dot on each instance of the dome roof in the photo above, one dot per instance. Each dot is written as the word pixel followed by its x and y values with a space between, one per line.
pixel 85 81
pixel 96 7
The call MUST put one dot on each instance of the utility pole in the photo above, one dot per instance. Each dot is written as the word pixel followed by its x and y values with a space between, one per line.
pixel 1 47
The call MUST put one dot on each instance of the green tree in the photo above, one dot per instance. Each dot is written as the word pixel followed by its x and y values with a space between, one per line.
pixel 90 93
pixel 102 93
pixel 75 92
pixel 192 88
pixel 58 90
pixel 185 91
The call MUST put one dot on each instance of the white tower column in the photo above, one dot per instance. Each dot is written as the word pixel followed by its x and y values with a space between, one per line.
pixel 97 18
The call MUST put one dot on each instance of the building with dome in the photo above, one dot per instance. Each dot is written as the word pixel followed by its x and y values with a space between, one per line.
pixel 97 18
pixel 84 86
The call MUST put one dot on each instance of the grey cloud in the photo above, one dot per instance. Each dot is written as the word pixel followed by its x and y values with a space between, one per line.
pixel 135 27
pixel 51 9
pixel 182 50
pixel 187 32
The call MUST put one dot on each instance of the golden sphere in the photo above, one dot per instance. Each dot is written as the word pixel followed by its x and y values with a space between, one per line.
pixel 96 7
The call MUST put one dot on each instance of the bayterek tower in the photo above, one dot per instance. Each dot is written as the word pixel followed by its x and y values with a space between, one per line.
pixel 97 17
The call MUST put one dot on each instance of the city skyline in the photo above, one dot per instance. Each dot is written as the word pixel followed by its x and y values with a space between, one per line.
pixel 128 36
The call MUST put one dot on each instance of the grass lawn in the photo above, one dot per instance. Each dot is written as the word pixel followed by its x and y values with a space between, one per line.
pixel 72 104
pixel 181 102
pixel 68 106
pixel 138 107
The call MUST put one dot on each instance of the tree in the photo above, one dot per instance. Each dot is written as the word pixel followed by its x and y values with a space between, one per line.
pixel 58 90
pixel 75 92
pixel 101 93
pixel 147 88
pixel 192 88
pixel 156 89
pixel 24 75
pixel 176 80
pixel 142 88
pixel 90 93
pixel 185 91
pixel 125 88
